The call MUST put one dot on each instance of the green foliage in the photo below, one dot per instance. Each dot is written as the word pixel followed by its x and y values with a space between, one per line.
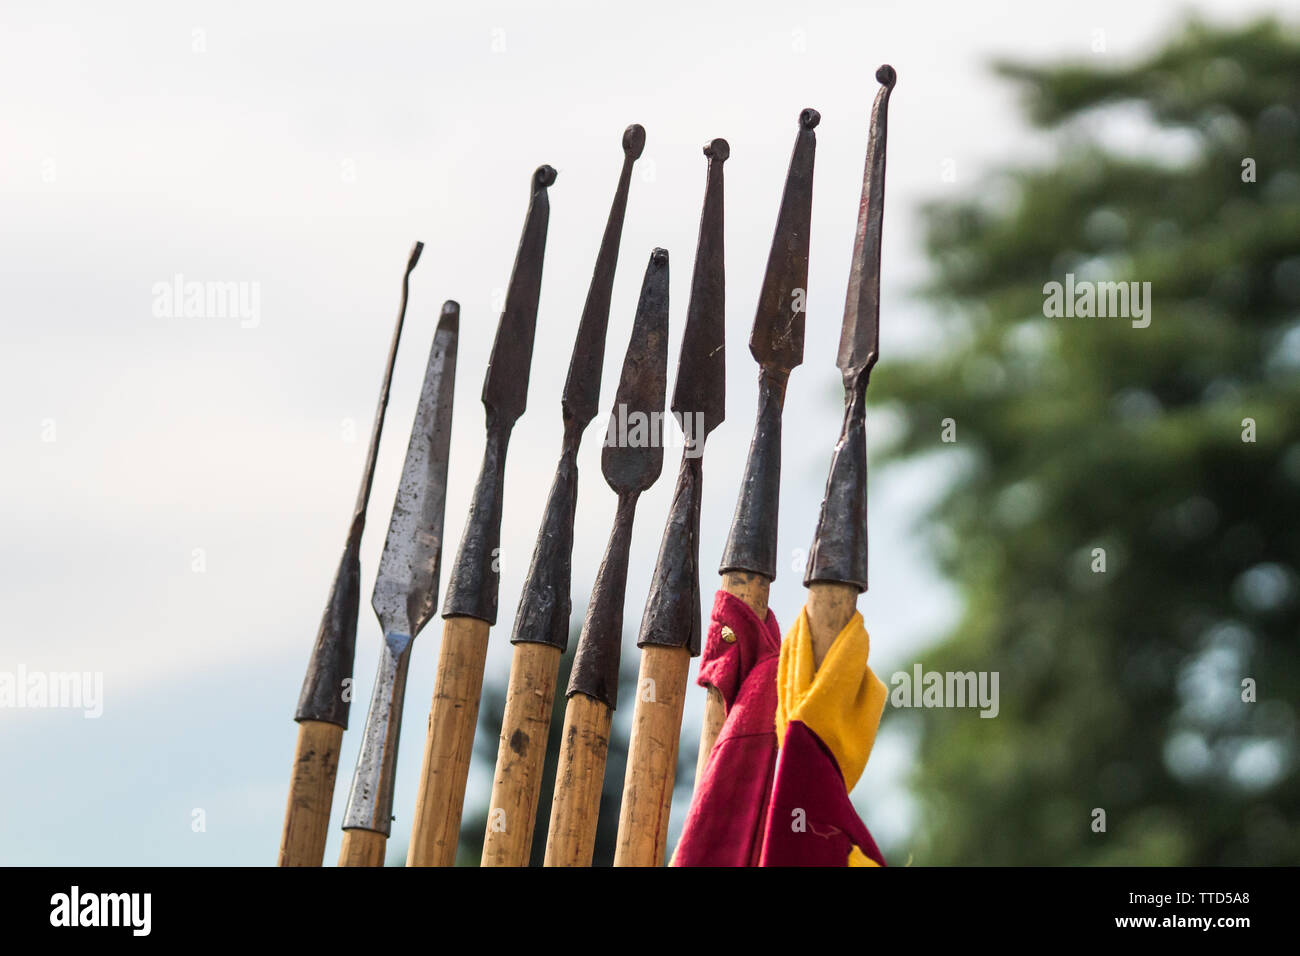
pixel 1122 689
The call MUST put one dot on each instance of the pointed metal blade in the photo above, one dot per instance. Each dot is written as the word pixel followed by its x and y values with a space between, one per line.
pixel 633 454
pixel 860 334
pixel 699 396
pixel 776 341
pixel 406 587
pixel 505 388
pixel 581 398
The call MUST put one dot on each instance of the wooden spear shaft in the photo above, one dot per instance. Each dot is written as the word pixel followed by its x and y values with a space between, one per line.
pixel 311 792
pixel 525 728
pixel 435 828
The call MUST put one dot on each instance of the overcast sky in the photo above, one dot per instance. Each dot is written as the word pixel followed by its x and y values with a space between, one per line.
pixel 178 489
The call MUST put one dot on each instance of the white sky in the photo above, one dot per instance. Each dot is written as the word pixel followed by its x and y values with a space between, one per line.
pixel 304 148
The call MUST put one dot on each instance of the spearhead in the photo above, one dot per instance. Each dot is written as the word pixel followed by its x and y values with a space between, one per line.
pixel 860 333
pixel 672 612
pixel 505 387
pixel 581 397
pixel 776 342
pixel 631 461
pixel 546 601
pixel 633 455
pixel 701 391
pixel 839 549
pixel 406 587
pixel 473 586
pixel 332 656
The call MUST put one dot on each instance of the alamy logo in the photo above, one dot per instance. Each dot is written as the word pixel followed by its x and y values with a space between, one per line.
pixel 1086 299
pixel 180 299
pixel 923 688
pixel 40 690
pixel 635 429
pixel 102 909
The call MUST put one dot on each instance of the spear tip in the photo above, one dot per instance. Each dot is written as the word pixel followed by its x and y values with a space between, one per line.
pixel 634 141
pixel 544 176
pixel 450 317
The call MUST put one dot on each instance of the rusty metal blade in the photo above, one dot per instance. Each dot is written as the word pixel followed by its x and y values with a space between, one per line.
pixel 581 397
pixel 546 601
pixel 702 367
pixel 839 549
pixel 860 333
pixel 322 697
pixel 631 462
pixel 505 388
pixel 776 342
pixel 633 454
pixel 406 586
pixel 473 587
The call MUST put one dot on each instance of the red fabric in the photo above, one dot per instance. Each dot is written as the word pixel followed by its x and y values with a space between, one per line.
pixel 812 822
pixel 727 817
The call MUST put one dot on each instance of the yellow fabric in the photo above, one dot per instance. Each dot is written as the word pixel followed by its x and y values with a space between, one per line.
pixel 858 858
pixel 841 703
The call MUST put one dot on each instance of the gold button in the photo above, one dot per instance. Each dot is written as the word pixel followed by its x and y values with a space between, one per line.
pixel 728 635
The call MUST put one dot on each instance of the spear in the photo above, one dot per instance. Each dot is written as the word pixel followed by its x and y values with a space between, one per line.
pixel 670 628
pixel 631 462
pixel 776 342
pixel 541 631
pixel 322 713
pixel 405 595
pixel 470 608
pixel 837 563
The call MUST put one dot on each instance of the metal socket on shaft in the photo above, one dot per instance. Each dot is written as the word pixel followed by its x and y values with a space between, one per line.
pixel 370 801
pixel 672 611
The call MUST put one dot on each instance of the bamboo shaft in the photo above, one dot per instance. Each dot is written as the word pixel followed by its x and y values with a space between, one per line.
pixel 652 756
pixel 753 589
pixel 579 778
pixel 521 754
pixel 363 848
pixel 831 605
pixel 715 715
pixel 435 830
pixel 311 793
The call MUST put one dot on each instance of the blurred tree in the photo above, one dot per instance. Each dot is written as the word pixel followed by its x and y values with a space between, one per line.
pixel 1170 452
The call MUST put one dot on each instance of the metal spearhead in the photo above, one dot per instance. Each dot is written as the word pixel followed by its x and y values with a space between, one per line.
pixel 631 462
pixel 322 696
pixel 776 342
pixel 473 585
pixel 546 601
pixel 406 587
pixel 839 550
pixel 672 613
